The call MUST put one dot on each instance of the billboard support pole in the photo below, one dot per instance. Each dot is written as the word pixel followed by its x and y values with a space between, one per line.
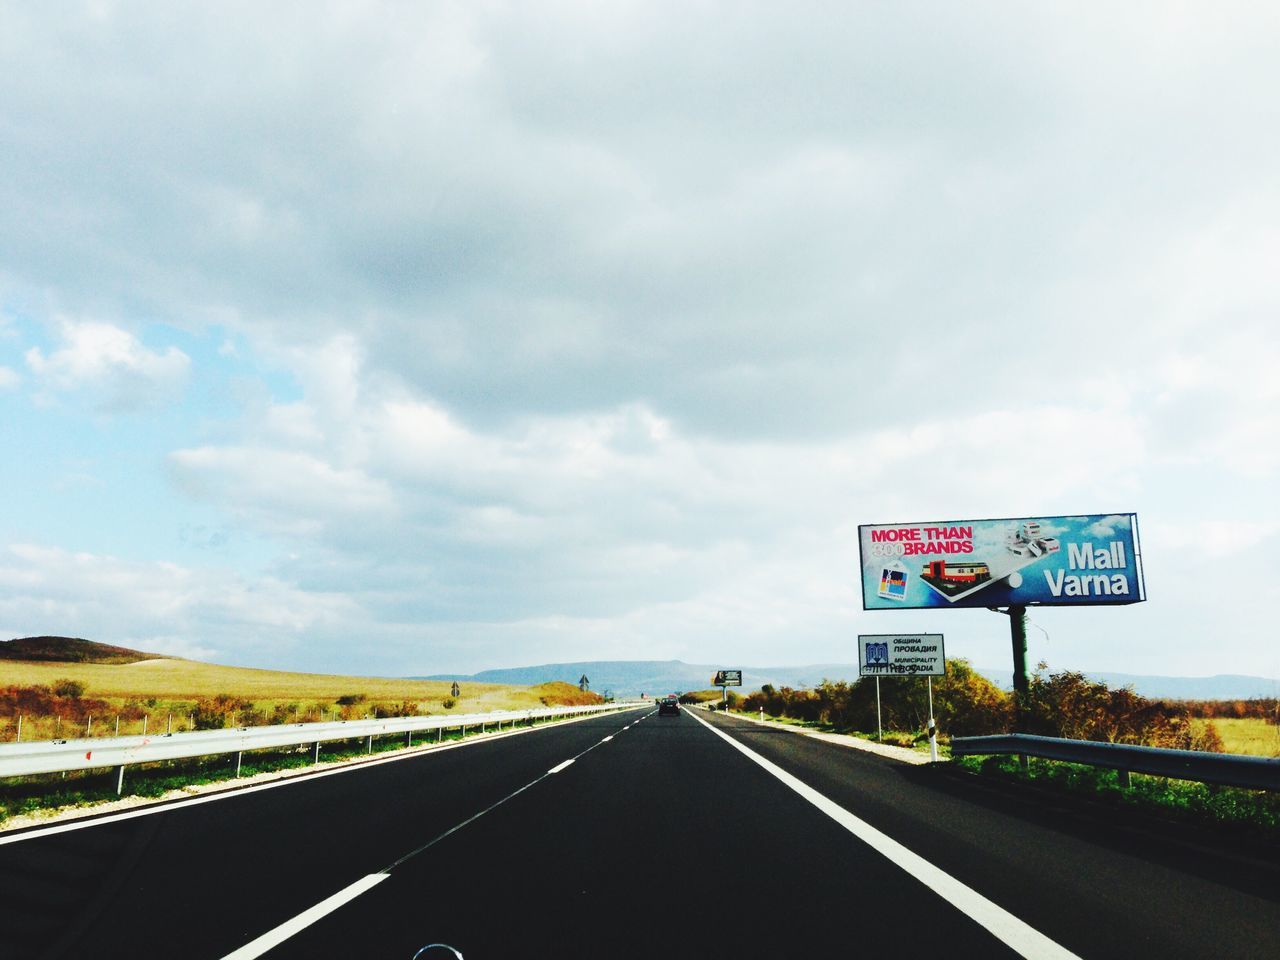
pixel 1018 634
pixel 1017 614
pixel 879 725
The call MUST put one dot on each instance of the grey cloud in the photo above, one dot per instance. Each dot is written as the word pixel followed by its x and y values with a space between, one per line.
pixel 550 211
pixel 858 261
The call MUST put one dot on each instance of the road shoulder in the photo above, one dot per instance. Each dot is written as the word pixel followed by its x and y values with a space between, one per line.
pixel 901 754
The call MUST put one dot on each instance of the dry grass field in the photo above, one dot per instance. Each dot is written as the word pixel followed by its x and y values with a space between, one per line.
pixel 1250 735
pixel 188 679
pixel 162 688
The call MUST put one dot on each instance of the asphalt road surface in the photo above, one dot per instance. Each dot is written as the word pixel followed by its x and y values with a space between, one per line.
pixel 637 835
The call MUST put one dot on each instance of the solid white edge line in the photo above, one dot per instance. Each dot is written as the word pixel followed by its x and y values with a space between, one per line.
pixel 561 766
pixel 232 791
pixel 273 938
pixel 1015 933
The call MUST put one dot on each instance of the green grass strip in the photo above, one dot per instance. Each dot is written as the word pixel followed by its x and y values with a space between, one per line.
pixel 1184 799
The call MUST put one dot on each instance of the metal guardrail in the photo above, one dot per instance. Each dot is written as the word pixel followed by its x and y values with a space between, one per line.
pixel 1226 769
pixel 57 756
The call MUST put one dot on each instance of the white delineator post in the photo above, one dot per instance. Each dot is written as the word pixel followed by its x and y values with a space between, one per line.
pixel 933 727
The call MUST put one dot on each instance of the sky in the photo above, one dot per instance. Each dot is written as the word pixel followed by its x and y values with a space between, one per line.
pixel 407 338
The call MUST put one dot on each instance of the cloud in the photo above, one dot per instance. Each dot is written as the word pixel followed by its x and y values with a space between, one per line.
pixel 622 225
pixel 287 492
pixel 553 327
pixel 9 378
pixel 1212 539
pixel 111 365
pixel 1107 526
pixel 617 513
pixel 159 606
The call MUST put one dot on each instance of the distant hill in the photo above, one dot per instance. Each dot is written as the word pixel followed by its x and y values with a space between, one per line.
pixel 70 650
pixel 621 677
pixel 632 677
pixel 1222 686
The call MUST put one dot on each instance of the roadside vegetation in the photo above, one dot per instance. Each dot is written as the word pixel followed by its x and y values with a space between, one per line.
pixel 1159 796
pixel 47 795
pixel 1063 704
pixel 68 706
pixel 703 696
pixel 103 691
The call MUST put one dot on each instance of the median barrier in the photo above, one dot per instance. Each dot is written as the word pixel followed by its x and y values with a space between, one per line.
pixel 59 756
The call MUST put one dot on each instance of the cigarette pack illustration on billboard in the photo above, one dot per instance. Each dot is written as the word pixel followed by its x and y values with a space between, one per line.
pixel 893 581
pixel 1064 561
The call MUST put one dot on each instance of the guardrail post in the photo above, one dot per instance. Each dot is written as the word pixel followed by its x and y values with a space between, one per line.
pixel 440 734
pixel 1123 777
pixel 408 739
pixel 239 757
pixel 315 757
pixel 370 750
pixel 119 779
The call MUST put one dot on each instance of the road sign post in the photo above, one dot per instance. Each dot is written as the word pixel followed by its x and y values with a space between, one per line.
pixel 933 727
pixel 879 724
pixel 903 655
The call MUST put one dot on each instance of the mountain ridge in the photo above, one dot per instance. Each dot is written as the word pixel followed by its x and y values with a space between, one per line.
pixel 632 677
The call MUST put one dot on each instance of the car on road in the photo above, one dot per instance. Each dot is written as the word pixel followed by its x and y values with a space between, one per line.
pixel 668 705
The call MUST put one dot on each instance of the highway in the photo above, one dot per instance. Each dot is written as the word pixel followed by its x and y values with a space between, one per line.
pixel 636 835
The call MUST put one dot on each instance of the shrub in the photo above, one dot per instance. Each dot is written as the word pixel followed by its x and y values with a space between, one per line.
pixel 965 703
pixel 213 713
pixel 406 708
pixel 351 699
pixel 560 694
pixel 284 713
pixel 1068 704
pixel 66 687
pixel 39 700
pixel 449 702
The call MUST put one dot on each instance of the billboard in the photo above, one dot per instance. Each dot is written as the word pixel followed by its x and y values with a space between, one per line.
pixel 727 678
pixel 1063 561
pixel 901 655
